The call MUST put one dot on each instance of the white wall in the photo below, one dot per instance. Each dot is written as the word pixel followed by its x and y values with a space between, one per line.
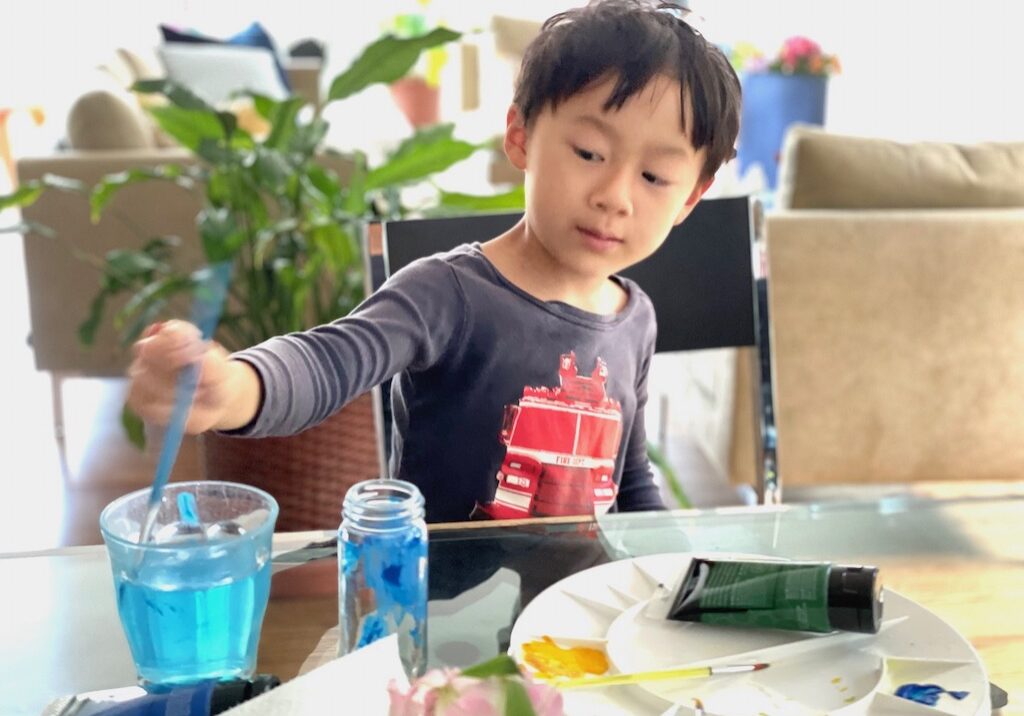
pixel 941 69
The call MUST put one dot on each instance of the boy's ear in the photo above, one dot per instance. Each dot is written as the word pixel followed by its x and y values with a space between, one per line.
pixel 691 201
pixel 515 138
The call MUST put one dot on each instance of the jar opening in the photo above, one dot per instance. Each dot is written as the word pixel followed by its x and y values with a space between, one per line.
pixel 380 501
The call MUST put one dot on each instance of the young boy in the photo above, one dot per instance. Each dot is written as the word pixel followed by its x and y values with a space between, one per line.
pixel 520 363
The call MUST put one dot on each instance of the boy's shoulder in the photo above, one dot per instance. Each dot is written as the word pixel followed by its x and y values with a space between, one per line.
pixel 442 264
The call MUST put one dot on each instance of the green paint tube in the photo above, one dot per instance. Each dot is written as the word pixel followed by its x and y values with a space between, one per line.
pixel 802 596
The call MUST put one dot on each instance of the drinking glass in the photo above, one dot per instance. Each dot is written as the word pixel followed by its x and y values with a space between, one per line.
pixel 192 599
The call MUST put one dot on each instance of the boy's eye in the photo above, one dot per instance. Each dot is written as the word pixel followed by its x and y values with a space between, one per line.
pixel 653 179
pixel 585 155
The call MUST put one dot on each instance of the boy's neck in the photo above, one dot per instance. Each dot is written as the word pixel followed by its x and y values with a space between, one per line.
pixel 526 264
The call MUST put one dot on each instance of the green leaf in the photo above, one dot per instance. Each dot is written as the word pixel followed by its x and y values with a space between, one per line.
pixel 25 195
pixel 501 665
pixel 215 152
pixel 162 248
pixel 110 184
pixel 220 234
pixel 229 122
pixel 178 95
pixel 29 227
pixel 659 459
pixel 159 290
pixel 336 244
pixel 326 183
pixel 72 186
pixel 424 154
pixel 355 201
pixel 307 137
pixel 517 701
pixel 189 127
pixel 426 135
pixel 263 104
pixel 134 428
pixel 143 319
pixel 511 200
pixel 386 60
pixel 271 169
pixel 282 121
pixel 126 265
pixel 87 328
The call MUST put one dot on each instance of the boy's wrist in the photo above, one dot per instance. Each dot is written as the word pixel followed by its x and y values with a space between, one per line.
pixel 243 396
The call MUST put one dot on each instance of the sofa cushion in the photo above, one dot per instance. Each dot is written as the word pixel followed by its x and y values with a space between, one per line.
pixel 822 170
pixel 105 119
pixel 216 72
pixel 255 35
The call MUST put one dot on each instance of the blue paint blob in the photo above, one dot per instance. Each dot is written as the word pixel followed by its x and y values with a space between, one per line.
pixel 927 694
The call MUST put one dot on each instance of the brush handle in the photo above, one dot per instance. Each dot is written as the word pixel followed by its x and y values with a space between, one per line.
pixel 206 310
pixel 184 390
pixel 634 678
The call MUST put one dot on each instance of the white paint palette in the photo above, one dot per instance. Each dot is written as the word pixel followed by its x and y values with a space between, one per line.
pixel 843 673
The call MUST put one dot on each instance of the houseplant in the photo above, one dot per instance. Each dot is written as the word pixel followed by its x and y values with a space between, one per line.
pixel 418 93
pixel 778 91
pixel 285 211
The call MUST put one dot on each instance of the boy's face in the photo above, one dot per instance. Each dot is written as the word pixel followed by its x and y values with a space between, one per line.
pixel 604 188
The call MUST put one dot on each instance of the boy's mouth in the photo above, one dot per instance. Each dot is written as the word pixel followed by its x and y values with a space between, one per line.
pixel 598 236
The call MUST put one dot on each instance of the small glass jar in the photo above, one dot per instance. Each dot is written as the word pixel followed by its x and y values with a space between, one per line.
pixel 382 570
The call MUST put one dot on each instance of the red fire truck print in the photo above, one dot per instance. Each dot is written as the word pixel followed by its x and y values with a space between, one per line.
pixel 560 448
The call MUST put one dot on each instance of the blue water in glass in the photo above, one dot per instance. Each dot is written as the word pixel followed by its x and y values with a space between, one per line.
pixel 182 628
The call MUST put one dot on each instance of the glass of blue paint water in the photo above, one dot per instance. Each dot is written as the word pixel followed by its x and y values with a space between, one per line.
pixel 382 570
pixel 192 599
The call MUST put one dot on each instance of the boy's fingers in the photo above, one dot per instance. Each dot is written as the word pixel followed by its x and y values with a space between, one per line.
pixel 174 344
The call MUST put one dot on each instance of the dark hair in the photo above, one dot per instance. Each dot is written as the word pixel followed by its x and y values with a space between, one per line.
pixel 635 40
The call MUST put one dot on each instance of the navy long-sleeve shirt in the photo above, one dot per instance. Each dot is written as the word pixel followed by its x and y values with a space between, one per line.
pixel 504 405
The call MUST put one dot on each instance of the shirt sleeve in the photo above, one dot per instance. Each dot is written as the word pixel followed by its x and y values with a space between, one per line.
pixel 637 489
pixel 409 322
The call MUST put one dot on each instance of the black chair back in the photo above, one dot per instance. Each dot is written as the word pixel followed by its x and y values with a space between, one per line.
pixel 701 282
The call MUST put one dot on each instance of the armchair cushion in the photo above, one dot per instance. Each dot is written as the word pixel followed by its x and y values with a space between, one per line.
pixel 103 119
pixel 822 170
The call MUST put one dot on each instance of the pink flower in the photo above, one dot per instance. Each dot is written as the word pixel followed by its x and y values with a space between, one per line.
pixel 799 47
pixel 446 692
pixel 546 700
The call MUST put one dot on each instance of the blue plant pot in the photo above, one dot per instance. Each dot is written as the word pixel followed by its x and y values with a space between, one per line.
pixel 771 103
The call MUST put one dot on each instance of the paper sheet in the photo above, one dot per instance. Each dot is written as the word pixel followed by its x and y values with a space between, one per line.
pixel 361 678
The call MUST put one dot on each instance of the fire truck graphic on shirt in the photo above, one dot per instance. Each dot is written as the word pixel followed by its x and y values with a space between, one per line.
pixel 560 448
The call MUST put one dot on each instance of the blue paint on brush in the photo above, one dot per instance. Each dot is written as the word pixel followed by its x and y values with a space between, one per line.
pixel 927 694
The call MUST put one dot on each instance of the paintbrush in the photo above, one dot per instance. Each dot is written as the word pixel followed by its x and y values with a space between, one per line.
pixel 211 289
pixel 689 672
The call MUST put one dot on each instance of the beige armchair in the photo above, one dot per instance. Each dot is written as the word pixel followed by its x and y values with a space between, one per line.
pixel 897 311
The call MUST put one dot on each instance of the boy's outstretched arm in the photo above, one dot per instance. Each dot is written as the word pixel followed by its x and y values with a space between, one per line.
pixel 227 395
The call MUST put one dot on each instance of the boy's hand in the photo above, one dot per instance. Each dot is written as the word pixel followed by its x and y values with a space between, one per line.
pixel 226 397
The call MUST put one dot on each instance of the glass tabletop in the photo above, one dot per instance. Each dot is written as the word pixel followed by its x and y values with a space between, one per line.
pixel 959 558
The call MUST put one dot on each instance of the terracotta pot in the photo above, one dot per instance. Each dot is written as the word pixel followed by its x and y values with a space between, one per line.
pixel 309 473
pixel 419 102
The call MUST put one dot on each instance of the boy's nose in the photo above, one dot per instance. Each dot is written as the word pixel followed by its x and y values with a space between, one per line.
pixel 612 194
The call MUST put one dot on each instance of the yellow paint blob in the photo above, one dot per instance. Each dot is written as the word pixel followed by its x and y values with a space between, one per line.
pixel 549 659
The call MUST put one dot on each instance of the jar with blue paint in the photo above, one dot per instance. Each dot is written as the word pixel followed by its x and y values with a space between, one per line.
pixel 382 570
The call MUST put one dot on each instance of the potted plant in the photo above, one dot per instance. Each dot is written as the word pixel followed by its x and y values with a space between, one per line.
pixel 777 92
pixel 418 93
pixel 287 214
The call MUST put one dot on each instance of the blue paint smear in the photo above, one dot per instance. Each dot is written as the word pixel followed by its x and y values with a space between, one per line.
pixel 927 694
pixel 393 567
